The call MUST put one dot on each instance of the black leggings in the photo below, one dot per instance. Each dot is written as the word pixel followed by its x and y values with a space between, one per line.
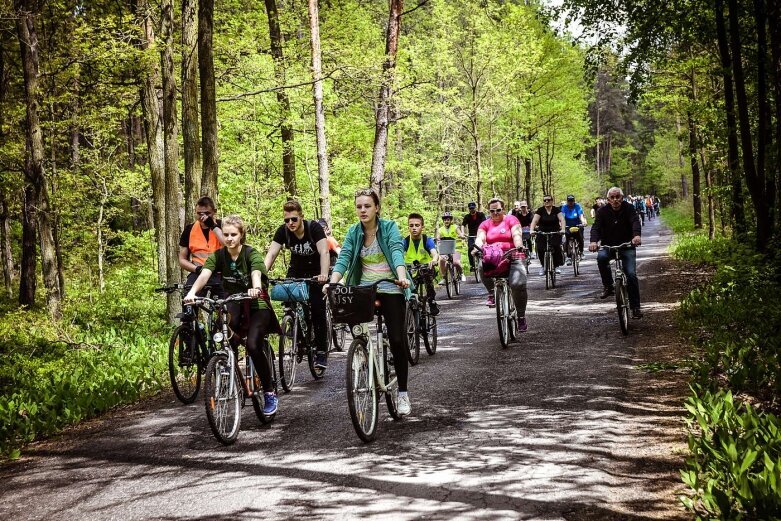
pixel 393 309
pixel 257 324
pixel 555 244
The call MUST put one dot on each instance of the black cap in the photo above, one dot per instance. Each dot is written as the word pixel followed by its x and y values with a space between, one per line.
pixel 570 197
pixel 472 205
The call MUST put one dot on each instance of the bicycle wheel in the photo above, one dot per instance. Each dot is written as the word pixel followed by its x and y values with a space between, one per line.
pixel 338 331
pixel 512 318
pixel 183 367
pixel 311 353
pixel 500 292
pixel 572 247
pixel 448 282
pixel 622 306
pixel 362 398
pixel 548 270
pixel 428 328
pixel 223 404
pixel 411 338
pixel 391 390
pixel 476 272
pixel 288 353
pixel 456 278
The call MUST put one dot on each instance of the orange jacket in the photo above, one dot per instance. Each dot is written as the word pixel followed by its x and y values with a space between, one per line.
pixel 200 248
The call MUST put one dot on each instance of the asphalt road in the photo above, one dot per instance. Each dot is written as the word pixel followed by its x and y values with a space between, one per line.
pixel 550 428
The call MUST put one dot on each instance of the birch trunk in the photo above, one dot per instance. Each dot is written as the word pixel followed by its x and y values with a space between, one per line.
pixel 5 247
pixel 190 122
pixel 323 174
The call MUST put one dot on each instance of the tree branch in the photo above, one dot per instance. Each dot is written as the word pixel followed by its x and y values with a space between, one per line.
pixel 236 97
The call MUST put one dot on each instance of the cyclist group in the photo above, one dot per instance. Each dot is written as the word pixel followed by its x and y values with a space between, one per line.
pixel 215 254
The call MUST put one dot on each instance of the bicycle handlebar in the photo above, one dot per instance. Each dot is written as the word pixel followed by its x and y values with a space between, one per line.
pixel 292 279
pixel 624 246
pixel 169 289
pixel 221 302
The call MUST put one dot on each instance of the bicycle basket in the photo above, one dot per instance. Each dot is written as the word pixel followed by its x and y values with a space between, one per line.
pixel 290 292
pixel 447 246
pixel 352 304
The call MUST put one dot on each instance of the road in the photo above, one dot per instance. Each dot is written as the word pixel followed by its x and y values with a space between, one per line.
pixel 561 425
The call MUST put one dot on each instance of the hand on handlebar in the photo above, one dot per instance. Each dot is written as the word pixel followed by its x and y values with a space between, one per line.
pixel 254 292
pixel 592 247
pixel 189 298
pixel 636 241
pixel 322 279
pixel 403 283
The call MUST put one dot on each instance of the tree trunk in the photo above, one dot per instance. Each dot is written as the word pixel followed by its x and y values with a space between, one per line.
pixel 764 136
pixel 528 181
pixel 380 148
pixel 478 159
pixel 684 181
pixel 101 246
pixel 288 150
pixel 208 98
pixel 33 165
pixel 733 156
pixel 323 174
pixel 696 197
pixel 29 263
pixel 154 140
pixel 774 168
pixel 755 187
pixel 191 135
pixel 171 157
pixel 5 246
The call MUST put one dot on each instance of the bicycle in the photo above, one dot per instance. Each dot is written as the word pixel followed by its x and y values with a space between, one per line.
pixel 550 269
pixel 189 348
pixel 370 371
pixel 506 314
pixel 338 331
pixel 226 387
pixel 620 285
pixel 297 339
pixel 426 322
pixel 451 276
pixel 473 261
pixel 573 249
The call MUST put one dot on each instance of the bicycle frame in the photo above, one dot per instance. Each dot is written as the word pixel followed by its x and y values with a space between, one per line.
pixel 376 368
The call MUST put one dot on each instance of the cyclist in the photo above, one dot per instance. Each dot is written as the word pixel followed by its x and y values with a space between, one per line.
pixel 243 269
pixel 448 230
pixel 548 218
pixel 373 250
pixel 309 258
pixel 617 223
pixel 505 232
pixel 333 244
pixel 525 218
pixel 422 248
pixel 649 207
pixel 574 216
pixel 200 239
pixel 516 211
pixel 639 205
pixel 471 222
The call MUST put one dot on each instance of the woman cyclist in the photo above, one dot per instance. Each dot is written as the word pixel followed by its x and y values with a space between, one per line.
pixel 549 219
pixel 448 230
pixel 505 231
pixel 373 250
pixel 525 217
pixel 242 270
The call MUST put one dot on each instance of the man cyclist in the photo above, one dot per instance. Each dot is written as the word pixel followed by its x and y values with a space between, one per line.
pixel 448 230
pixel 525 217
pixel 309 258
pixel 574 216
pixel 639 205
pixel 617 223
pixel 199 240
pixel 333 245
pixel 421 248
pixel 471 223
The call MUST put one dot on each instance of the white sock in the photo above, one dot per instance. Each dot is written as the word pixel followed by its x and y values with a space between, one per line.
pixel 402 393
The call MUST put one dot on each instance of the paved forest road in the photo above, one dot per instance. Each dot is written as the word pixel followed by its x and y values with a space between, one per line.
pixel 561 425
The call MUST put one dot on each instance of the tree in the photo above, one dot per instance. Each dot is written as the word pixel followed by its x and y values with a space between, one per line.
pixel 190 132
pixel 208 98
pixel 317 93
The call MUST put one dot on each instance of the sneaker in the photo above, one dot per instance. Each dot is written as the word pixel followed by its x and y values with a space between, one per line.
pixel 636 313
pixel 442 282
pixel 558 271
pixel 321 360
pixel 433 308
pixel 569 262
pixel 608 291
pixel 403 406
pixel 541 273
pixel 490 302
pixel 522 325
pixel 271 403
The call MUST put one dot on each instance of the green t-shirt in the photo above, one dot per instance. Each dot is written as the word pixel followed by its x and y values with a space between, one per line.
pixel 236 275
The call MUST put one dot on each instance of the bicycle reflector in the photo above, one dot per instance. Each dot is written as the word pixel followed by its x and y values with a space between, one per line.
pixel 218 337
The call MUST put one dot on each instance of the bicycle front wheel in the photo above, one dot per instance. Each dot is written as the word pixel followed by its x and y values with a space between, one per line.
pixel 338 331
pixel 456 278
pixel 362 398
pixel 448 282
pixel 391 389
pixel 411 338
pixel 223 400
pixel 288 353
pixel 512 316
pixel 183 367
pixel 622 306
pixel 500 292
pixel 428 327
pixel 548 271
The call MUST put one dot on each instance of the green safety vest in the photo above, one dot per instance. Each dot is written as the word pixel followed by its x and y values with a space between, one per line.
pixel 448 233
pixel 417 254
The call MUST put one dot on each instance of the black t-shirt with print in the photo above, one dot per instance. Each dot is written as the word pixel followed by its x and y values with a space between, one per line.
pixel 304 257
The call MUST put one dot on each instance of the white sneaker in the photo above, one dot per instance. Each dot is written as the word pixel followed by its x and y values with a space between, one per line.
pixel 558 271
pixel 541 272
pixel 403 406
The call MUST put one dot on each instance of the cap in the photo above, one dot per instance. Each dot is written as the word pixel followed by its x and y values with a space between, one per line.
pixel 447 215
pixel 570 197
pixel 472 205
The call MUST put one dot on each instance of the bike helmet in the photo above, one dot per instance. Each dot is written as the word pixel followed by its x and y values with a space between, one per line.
pixel 447 215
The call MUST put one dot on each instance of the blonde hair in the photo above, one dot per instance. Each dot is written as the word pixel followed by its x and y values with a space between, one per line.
pixel 238 222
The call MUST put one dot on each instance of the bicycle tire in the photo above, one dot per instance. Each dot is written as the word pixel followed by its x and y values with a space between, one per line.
pixel 456 279
pixel 512 320
pixel 185 378
pixel 223 409
pixel 391 391
pixel 448 282
pixel 476 271
pixel 573 255
pixel 411 338
pixel 548 271
pixel 311 354
pixel 429 329
pixel 338 332
pixel 501 314
pixel 288 353
pixel 622 307
pixel 362 398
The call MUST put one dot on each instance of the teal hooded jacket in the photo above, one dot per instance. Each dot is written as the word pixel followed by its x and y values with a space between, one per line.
pixel 389 238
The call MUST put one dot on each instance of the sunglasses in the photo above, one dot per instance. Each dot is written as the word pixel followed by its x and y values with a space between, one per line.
pixel 365 191
pixel 496 210
pixel 291 220
pixel 547 200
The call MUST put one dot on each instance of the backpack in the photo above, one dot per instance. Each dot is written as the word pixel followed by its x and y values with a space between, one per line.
pixel 222 262
pixel 494 261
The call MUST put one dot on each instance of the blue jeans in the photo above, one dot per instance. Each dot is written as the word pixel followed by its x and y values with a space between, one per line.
pixel 629 258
